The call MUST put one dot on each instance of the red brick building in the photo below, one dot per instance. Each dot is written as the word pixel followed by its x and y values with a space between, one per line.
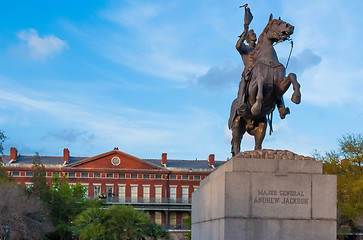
pixel 161 187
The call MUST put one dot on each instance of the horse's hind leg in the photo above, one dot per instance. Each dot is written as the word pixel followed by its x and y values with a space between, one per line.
pixel 256 107
pixel 291 78
pixel 238 129
pixel 259 132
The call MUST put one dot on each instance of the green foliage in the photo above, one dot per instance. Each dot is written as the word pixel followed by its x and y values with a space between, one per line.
pixel 3 174
pixel 117 222
pixel 64 201
pixel 188 222
pixel 351 147
pixel 154 232
pixel 90 224
pixel 2 140
pixel 346 164
pixel 126 223
pixel 40 187
pixel 67 201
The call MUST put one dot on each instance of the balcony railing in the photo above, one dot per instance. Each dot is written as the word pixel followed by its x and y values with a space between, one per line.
pixel 114 199
pixel 178 227
pixel 183 227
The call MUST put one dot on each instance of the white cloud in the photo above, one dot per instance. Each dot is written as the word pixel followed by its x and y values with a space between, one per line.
pixel 135 15
pixel 109 125
pixel 329 28
pixel 281 125
pixel 154 38
pixel 227 134
pixel 41 47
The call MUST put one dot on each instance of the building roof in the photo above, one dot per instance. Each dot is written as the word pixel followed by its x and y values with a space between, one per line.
pixel 174 163
pixel 46 160
pixel 58 161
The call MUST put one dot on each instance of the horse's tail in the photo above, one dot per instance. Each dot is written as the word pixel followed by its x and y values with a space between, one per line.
pixel 233 114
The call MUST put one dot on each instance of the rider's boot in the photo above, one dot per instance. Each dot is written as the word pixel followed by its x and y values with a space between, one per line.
pixel 241 95
pixel 283 111
pixel 243 106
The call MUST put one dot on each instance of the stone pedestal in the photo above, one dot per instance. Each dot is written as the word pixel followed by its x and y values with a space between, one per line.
pixel 260 199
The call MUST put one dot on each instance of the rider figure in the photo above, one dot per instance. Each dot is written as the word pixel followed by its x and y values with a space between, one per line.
pixel 246 52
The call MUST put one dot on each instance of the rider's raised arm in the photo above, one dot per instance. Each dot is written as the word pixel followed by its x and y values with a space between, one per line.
pixel 240 46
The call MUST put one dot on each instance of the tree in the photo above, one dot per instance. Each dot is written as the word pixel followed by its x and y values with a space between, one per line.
pixel 4 176
pixel 25 214
pixel 2 140
pixel 154 232
pixel 40 186
pixel 90 224
pixel 351 147
pixel 27 217
pixel 346 163
pixel 67 201
pixel 64 201
pixel 126 223
pixel 121 222
pixel 188 222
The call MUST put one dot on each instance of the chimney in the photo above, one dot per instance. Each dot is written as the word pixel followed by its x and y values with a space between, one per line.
pixel 13 154
pixel 211 161
pixel 164 159
pixel 65 156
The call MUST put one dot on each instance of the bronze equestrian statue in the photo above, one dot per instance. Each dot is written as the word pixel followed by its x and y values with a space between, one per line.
pixel 263 82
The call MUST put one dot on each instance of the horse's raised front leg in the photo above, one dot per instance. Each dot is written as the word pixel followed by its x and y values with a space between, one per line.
pixel 291 79
pixel 296 96
pixel 256 107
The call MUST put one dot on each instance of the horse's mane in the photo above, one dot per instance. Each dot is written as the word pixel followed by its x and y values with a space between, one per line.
pixel 260 41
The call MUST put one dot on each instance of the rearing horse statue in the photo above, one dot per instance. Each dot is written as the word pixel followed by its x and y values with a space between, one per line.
pixel 266 85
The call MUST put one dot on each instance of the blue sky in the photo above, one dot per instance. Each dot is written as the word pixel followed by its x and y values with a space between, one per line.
pixel 159 76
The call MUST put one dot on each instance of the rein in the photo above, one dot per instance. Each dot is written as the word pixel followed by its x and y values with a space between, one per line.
pixel 292 46
pixel 273 45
